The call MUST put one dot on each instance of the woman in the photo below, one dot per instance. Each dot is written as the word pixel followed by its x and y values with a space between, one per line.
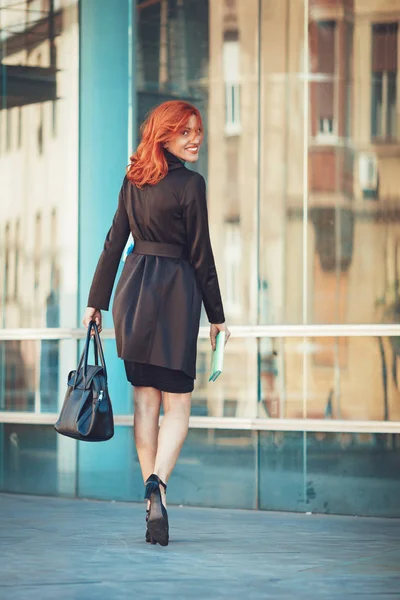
pixel 157 303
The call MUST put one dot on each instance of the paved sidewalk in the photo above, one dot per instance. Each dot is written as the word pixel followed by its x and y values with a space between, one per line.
pixel 54 548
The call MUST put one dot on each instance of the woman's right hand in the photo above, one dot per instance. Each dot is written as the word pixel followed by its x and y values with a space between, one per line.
pixel 92 314
pixel 215 328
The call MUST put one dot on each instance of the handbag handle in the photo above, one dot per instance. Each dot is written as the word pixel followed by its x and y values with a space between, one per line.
pixel 98 347
pixel 98 351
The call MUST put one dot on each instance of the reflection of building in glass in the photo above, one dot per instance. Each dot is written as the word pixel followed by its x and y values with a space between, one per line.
pixel 301 160
pixel 259 172
pixel 38 171
pixel 352 201
pixel 349 174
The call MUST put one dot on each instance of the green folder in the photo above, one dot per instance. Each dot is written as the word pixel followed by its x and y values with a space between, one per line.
pixel 217 357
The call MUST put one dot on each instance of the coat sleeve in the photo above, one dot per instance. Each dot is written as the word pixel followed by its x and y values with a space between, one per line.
pixel 195 216
pixel 107 267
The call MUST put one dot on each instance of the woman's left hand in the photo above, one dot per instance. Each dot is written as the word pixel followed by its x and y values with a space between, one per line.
pixel 92 314
pixel 214 331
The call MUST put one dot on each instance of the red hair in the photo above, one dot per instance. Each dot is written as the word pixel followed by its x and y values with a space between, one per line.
pixel 148 164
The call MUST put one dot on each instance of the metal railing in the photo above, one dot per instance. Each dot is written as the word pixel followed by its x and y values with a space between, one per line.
pixel 234 423
pixel 238 331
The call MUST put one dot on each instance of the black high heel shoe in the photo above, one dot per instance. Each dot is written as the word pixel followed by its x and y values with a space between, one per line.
pixel 157 520
pixel 148 538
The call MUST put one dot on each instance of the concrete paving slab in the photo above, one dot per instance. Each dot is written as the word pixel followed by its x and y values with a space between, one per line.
pixel 66 549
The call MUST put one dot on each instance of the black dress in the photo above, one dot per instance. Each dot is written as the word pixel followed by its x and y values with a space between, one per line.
pixel 161 378
pixel 157 302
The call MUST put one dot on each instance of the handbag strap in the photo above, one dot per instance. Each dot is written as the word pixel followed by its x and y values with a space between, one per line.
pixel 84 354
pixel 98 352
pixel 96 355
pixel 98 349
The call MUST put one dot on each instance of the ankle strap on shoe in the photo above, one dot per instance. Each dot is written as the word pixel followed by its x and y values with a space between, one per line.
pixel 155 479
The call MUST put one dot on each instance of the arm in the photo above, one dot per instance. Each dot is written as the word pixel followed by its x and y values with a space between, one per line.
pixel 195 217
pixel 107 267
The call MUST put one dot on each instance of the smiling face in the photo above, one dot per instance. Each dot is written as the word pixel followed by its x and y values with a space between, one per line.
pixel 186 143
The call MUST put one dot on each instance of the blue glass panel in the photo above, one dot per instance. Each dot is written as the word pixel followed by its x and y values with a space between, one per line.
pixel 103 136
pixel 50 375
pixel 110 470
pixel 216 468
pixel 354 474
pixel 281 471
pixel 34 459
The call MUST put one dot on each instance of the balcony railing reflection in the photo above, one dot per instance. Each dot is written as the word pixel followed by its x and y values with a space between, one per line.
pixel 273 374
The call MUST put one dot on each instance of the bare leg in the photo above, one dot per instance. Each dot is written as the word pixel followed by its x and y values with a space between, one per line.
pixel 147 402
pixel 172 434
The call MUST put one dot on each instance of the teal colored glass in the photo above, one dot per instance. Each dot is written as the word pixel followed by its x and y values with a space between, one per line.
pixel 215 468
pixel 110 470
pixel 281 471
pixel 353 474
pixel 330 473
pixel 35 460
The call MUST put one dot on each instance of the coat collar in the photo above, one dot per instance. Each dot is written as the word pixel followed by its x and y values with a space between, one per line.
pixel 173 161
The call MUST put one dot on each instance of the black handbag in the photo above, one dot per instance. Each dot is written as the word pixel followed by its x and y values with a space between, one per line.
pixel 87 412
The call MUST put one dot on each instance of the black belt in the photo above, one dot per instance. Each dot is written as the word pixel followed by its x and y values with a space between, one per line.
pixel 161 249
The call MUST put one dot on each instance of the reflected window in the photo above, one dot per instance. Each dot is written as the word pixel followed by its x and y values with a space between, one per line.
pixel 232 264
pixel 37 251
pixel 31 70
pixel 16 258
pixel 231 58
pixel 384 81
pixel 334 241
pixel 325 64
pixel 348 78
pixel 7 252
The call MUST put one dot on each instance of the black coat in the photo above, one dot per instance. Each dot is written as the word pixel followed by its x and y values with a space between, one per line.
pixel 157 302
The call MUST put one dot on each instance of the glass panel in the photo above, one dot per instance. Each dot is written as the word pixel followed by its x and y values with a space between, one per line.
pixel 353 378
pixel 353 474
pixel 33 374
pixel 205 52
pixel 376 105
pixel 234 394
pixel 353 221
pixel 391 110
pixel 17 381
pixel 111 471
pixel 281 140
pixel 282 471
pixel 281 378
pixel 337 473
pixel 39 142
pixel 215 468
pixel 36 460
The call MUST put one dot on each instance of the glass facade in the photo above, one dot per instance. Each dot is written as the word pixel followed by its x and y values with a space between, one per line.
pixel 301 158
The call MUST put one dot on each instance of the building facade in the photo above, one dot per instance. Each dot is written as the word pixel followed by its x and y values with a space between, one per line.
pixel 302 161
